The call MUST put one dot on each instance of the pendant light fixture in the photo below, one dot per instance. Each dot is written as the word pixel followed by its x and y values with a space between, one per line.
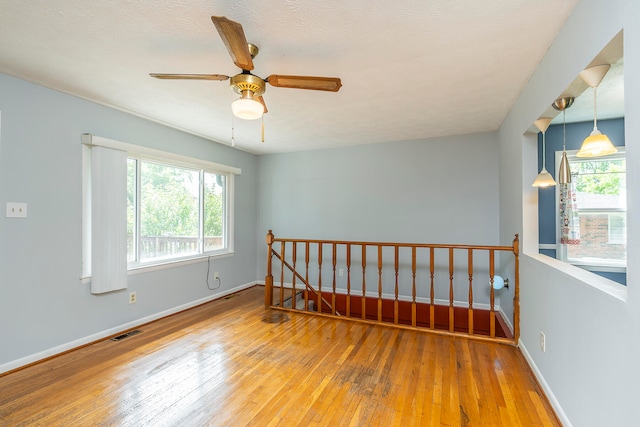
pixel 564 172
pixel 597 144
pixel 544 178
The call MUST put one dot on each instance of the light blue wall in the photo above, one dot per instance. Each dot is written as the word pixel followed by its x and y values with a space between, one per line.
pixel 441 190
pixel 590 368
pixel 43 304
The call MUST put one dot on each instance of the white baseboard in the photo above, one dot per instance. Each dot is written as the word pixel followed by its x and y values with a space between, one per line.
pixel 374 294
pixel 545 387
pixel 14 364
pixel 506 319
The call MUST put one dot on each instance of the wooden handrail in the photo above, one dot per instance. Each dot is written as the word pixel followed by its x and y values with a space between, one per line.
pixel 408 245
pixel 401 308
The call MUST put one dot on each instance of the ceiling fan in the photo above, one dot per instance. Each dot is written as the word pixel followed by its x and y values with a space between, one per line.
pixel 250 87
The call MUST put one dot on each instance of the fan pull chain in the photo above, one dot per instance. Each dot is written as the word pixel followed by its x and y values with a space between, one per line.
pixel 263 128
pixel 233 139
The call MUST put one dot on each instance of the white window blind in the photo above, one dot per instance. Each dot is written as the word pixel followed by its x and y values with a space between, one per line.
pixel 108 220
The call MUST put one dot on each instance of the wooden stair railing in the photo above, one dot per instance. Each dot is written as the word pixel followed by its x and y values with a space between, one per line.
pixel 406 311
pixel 291 268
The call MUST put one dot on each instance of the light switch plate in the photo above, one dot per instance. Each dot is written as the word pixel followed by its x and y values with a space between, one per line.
pixel 16 210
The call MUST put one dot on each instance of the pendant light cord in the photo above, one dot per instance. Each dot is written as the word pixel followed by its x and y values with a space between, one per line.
pixel 564 130
pixel 543 154
pixel 233 138
pixel 595 109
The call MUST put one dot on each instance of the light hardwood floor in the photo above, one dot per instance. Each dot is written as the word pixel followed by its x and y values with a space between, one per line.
pixel 233 363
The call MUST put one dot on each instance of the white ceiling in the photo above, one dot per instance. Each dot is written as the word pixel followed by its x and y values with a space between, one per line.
pixel 410 69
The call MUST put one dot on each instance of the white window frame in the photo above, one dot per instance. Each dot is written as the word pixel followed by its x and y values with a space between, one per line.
pixel 561 250
pixel 614 241
pixel 164 157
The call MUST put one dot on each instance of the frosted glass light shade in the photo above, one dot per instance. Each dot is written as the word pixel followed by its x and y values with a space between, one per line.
pixel 544 179
pixel 247 108
pixel 498 283
pixel 595 145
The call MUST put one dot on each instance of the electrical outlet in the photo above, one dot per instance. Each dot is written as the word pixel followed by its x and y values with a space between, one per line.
pixel 543 346
pixel 132 298
pixel 341 272
pixel 16 210
pixel 215 276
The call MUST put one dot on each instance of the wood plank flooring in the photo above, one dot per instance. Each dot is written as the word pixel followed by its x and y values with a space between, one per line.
pixel 233 363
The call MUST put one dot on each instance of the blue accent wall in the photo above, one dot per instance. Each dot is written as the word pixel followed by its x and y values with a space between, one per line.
pixel 576 133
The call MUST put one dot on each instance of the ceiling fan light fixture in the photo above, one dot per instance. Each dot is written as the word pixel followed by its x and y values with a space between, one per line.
pixel 251 105
pixel 246 107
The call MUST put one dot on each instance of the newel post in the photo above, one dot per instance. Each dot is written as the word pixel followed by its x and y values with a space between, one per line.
pixel 268 280
pixel 516 293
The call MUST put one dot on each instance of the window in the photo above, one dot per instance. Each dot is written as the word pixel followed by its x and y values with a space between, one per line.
pixel 600 185
pixel 173 211
pixel 177 207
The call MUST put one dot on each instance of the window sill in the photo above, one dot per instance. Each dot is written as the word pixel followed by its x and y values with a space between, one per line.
pixel 161 265
pixel 609 287
pixel 600 268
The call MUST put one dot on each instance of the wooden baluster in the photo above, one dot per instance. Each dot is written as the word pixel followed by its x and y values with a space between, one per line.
pixel 492 313
pixel 364 282
pixel 268 280
pixel 451 310
pixel 319 302
pixel 516 295
pixel 379 283
pixel 306 275
pixel 348 279
pixel 282 250
pixel 333 294
pixel 395 301
pixel 293 279
pixel 432 292
pixel 470 266
pixel 413 287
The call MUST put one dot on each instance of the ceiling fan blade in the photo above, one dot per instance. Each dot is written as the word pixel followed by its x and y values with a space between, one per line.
pixel 189 76
pixel 261 101
pixel 233 38
pixel 331 84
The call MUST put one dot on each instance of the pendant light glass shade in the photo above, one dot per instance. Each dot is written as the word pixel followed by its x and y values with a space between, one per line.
pixel 597 144
pixel 544 178
pixel 246 107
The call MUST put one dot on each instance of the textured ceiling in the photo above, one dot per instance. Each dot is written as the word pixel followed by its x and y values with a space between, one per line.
pixel 410 69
